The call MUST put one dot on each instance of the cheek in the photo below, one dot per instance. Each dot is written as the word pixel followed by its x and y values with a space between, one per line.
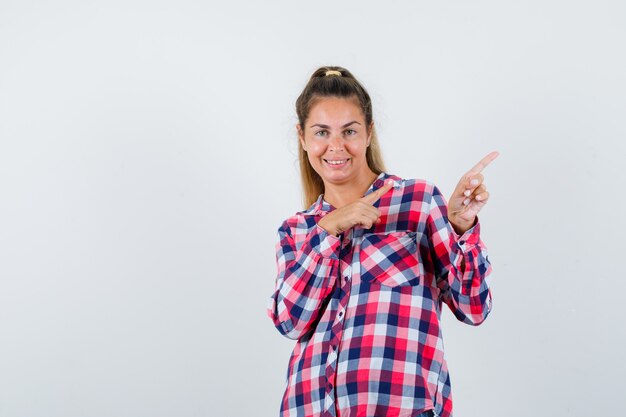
pixel 313 156
pixel 315 149
pixel 313 159
pixel 357 149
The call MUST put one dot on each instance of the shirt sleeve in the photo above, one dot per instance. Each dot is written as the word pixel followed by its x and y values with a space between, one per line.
pixel 306 278
pixel 461 264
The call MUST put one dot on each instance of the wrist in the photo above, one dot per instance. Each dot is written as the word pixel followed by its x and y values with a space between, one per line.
pixel 328 226
pixel 462 226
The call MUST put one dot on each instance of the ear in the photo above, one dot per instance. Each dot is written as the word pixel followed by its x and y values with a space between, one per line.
pixel 300 136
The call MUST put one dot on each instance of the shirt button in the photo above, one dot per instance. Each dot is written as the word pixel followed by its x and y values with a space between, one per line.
pixel 462 242
pixel 340 314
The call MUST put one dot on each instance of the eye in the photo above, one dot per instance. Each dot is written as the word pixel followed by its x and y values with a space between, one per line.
pixel 350 132
pixel 321 133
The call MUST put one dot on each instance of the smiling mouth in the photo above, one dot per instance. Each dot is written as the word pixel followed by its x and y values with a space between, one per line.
pixel 336 161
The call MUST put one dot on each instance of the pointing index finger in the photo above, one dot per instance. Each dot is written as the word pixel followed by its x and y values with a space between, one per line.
pixel 483 163
pixel 371 198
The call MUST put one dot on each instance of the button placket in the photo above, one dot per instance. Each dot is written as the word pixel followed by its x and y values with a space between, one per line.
pixel 347 272
pixel 345 275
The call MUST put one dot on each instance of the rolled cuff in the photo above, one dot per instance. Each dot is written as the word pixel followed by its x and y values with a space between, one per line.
pixel 324 243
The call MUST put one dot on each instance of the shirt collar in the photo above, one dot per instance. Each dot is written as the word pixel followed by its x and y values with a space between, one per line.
pixel 321 206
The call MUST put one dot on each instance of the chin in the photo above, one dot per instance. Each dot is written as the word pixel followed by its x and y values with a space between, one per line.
pixel 337 177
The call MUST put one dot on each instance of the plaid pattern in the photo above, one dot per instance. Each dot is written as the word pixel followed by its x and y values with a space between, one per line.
pixel 365 307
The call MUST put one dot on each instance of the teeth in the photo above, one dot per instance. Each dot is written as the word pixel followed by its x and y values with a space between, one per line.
pixel 336 162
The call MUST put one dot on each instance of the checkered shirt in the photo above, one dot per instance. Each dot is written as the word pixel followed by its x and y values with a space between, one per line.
pixel 365 307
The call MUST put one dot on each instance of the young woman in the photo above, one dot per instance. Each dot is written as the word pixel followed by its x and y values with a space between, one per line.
pixel 364 270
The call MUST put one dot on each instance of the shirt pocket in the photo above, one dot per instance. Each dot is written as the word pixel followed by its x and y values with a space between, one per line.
pixel 390 258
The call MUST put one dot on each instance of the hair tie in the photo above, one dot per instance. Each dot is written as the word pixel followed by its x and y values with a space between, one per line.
pixel 333 72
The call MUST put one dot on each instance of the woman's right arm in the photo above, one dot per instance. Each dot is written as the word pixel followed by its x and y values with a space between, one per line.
pixel 306 277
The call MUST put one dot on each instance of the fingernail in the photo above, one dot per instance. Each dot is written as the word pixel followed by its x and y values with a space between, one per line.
pixel 474 181
pixel 478 197
pixel 466 202
pixel 467 193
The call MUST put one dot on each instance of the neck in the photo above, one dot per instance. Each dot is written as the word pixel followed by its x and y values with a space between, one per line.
pixel 339 195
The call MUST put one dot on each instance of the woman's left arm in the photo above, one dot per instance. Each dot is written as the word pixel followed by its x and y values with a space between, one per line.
pixel 460 257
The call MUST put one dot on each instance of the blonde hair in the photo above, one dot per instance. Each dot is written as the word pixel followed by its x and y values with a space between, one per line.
pixel 326 82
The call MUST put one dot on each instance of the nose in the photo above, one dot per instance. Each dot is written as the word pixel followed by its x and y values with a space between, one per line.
pixel 336 143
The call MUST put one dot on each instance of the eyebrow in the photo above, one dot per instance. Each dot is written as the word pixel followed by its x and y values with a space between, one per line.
pixel 327 127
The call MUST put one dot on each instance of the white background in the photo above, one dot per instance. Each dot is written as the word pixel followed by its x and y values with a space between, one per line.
pixel 148 156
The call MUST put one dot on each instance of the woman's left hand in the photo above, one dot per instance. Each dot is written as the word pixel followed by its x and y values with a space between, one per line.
pixel 469 196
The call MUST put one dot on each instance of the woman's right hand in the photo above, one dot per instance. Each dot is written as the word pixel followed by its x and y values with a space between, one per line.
pixel 360 213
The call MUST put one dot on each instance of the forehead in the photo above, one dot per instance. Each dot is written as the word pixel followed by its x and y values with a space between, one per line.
pixel 335 110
